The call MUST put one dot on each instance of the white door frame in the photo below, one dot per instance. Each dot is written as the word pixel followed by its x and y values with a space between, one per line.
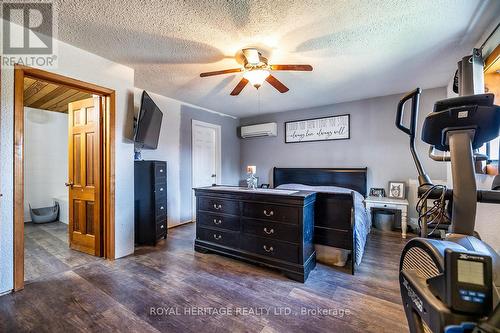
pixel 218 157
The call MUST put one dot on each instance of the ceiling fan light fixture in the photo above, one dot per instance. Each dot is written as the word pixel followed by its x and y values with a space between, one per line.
pixel 256 70
pixel 252 56
pixel 256 77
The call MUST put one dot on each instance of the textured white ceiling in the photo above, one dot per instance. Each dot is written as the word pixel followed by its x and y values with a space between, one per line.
pixel 358 48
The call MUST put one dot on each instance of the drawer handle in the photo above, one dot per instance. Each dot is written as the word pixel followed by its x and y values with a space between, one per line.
pixel 161 227
pixel 269 232
pixel 217 221
pixel 268 249
pixel 217 206
pixel 217 237
pixel 161 189
pixel 161 170
pixel 270 213
pixel 162 208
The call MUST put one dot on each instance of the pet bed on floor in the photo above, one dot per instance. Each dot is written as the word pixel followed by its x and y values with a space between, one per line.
pixel 45 214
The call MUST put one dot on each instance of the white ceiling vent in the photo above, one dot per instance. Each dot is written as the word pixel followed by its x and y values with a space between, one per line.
pixel 252 131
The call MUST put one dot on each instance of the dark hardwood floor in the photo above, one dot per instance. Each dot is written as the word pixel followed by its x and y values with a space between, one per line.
pixel 171 288
pixel 47 251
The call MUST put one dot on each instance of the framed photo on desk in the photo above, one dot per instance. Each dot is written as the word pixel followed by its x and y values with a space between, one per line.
pixel 397 190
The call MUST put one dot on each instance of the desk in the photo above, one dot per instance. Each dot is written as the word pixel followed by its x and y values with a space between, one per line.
pixel 390 203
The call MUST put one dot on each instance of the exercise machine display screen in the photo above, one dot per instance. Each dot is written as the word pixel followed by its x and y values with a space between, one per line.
pixel 470 272
pixel 468 285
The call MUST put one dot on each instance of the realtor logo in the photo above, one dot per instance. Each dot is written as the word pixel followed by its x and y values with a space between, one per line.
pixel 28 31
pixel 27 28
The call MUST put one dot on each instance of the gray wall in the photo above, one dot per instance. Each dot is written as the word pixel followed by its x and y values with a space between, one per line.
pixel 375 142
pixel 230 152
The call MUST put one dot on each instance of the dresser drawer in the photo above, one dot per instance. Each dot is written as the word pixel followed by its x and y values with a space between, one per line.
pixel 160 180
pixel 219 205
pixel 226 238
pixel 161 229
pixel 278 231
pixel 160 170
pixel 271 248
pixel 271 212
pixel 161 208
pixel 160 190
pixel 219 221
pixel 388 205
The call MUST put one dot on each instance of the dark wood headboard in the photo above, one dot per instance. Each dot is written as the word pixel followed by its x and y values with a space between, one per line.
pixel 352 178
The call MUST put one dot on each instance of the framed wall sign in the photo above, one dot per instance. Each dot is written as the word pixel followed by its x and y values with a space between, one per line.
pixel 318 129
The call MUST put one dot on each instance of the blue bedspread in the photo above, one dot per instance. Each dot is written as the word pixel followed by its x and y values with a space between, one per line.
pixel 362 218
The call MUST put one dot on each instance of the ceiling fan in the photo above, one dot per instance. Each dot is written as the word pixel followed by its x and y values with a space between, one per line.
pixel 256 71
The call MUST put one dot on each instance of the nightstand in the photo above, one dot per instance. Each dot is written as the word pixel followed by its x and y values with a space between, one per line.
pixel 390 203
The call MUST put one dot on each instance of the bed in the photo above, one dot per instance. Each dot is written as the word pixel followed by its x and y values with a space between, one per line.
pixel 341 220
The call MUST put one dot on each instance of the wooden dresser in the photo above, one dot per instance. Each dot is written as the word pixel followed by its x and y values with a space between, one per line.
pixel 266 227
pixel 150 190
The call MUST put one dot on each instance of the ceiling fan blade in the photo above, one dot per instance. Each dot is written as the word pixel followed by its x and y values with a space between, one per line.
pixel 225 71
pixel 239 87
pixel 277 84
pixel 252 56
pixel 306 68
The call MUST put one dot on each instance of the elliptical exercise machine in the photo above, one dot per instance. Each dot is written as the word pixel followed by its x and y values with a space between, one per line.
pixel 452 285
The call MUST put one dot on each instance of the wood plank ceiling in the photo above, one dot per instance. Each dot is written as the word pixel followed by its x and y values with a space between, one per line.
pixel 49 96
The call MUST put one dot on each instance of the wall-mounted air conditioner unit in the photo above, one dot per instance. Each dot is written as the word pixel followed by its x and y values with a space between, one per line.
pixel 252 131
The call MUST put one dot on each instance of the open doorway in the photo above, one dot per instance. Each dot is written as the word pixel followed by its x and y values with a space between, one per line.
pixel 46 173
pixel 63 174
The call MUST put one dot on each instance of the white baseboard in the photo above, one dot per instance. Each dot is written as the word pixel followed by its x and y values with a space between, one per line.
pixel 6 292
pixel 180 224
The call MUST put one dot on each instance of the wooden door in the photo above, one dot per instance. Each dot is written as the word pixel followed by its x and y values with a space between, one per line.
pixel 84 184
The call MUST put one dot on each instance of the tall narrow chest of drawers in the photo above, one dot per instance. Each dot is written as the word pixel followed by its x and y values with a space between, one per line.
pixel 150 190
pixel 266 227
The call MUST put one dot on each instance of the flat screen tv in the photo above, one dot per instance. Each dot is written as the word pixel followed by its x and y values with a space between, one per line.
pixel 148 126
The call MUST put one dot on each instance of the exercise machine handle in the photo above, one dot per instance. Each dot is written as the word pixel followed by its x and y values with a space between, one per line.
pixel 423 178
pixel 415 97
pixel 488 196
pixel 484 196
